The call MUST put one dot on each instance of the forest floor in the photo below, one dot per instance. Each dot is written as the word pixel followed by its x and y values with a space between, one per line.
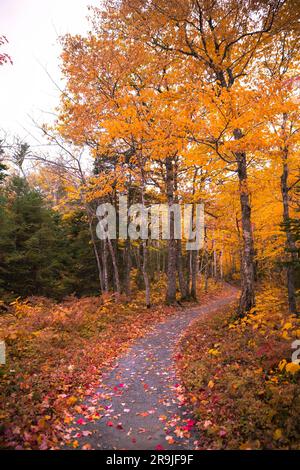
pixel 144 407
pixel 94 373
pixel 57 353
pixel 241 377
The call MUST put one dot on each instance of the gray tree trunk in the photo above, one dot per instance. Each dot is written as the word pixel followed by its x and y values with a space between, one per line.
pixel 104 263
pixel 194 272
pixel 93 240
pixel 182 283
pixel 115 267
pixel 145 253
pixel 290 243
pixel 171 267
pixel 127 286
pixel 247 299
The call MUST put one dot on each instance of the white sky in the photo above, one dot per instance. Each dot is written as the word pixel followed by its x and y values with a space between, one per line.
pixel 32 28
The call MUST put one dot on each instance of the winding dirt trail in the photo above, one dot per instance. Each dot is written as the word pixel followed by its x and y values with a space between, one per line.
pixel 139 398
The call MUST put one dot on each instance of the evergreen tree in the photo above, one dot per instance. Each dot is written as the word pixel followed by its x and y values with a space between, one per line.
pixel 33 244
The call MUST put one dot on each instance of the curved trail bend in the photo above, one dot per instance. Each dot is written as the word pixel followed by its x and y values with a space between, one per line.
pixel 140 394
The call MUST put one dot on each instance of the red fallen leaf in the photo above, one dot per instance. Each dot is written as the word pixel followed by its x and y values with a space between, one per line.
pixel 178 356
pixel 119 426
pixel 159 447
pixel 133 440
pixel 121 385
pixel 43 446
pixel 170 440
pixel 191 422
pixel 109 423
pixel 80 421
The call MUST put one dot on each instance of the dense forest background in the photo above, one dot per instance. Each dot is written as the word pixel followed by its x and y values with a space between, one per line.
pixel 176 116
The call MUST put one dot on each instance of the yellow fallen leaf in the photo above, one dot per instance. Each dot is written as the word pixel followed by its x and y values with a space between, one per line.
pixel 246 446
pixel 71 400
pixel 282 364
pixel 214 352
pixel 211 384
pixel 277 434
pixel 75 444
pixel 292 367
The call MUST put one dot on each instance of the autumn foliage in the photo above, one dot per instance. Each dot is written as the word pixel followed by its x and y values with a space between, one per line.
pixel 57 354
pixel 164 102
pixel 240 378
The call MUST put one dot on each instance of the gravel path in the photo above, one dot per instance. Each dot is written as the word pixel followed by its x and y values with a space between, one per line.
pixel 140 401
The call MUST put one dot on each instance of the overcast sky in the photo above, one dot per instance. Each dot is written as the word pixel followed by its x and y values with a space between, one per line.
pixel 32 28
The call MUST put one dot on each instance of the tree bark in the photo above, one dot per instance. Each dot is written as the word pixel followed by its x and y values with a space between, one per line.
pixel 194 272
pixel 100 274
pixel 115 267
pixel 290 243
pixel 127 286
pixel 221 264
pixel 145 274
pixel 188 274
pixel 215 270
pixel 104 262
pixel 145 252
pixel 182 284
pixel 171 267
pixel 247 299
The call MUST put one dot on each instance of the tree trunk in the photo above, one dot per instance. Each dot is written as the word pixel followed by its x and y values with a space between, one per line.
pixel 215 269
pixel 93 240
pixel 182 284
pixel 127 286
pixel 115 267
pixel 247 299
pixel 145 251
pixel 206 275
pixel 145 274
pixel 104 263
pixel 179 260
pixel 221 264
pixel 290 243
pixel 171 268
pixel 188 274
pixel 194 272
